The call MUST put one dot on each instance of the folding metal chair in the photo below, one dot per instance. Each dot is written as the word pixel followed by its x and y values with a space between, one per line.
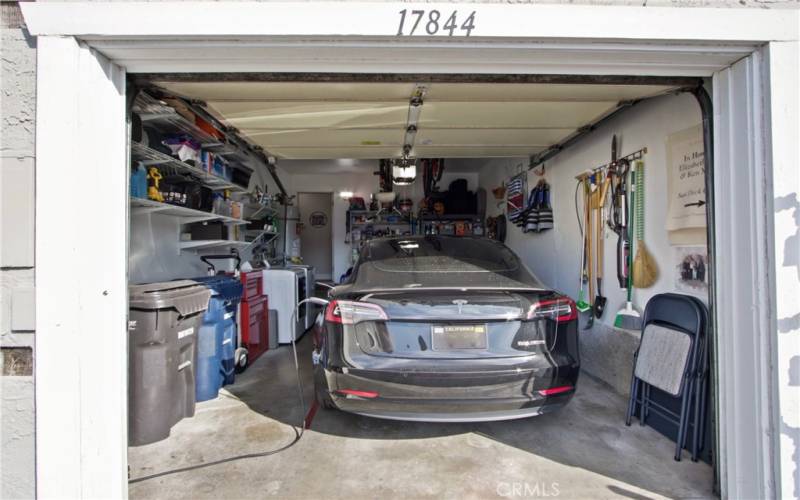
pixel 673 357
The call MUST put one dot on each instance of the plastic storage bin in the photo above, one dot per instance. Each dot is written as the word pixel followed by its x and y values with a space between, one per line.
pixel 164 320
pixel 216 339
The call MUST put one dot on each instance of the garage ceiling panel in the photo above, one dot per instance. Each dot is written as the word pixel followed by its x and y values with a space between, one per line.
pixel 538 92
pixel 289 91
pixel 367 120
pixel 512 114
pixel 270 139
pixel 312 114
pixel 324 153
pixel 493 136
pixel 473 151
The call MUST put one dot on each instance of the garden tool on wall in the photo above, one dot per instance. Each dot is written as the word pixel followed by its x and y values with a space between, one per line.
pixel 590 193
pixel 581 304
pixel 600 198
pixel 618 219
pixel 644 268
pixel 628 317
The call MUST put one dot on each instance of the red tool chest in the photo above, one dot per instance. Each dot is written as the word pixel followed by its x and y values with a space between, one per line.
pixel 254 317
pixel 253 287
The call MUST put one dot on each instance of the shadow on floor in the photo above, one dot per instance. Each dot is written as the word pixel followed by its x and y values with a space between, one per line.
pixel 589 433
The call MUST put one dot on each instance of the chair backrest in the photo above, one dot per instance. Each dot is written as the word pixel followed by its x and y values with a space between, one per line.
pixel 682 312
pixel 673 341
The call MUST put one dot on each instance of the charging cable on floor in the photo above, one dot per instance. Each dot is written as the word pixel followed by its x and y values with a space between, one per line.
pixel 297 433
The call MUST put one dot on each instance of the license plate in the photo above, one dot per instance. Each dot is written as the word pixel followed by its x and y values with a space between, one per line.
pixel 458 337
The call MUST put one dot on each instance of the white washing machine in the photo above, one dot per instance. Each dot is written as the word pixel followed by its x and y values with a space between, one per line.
pixel 285 288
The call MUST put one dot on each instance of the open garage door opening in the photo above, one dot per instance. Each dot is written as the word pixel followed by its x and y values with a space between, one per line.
pixel 497 244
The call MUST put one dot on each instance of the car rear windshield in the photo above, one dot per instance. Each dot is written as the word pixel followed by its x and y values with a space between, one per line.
pixel 440 262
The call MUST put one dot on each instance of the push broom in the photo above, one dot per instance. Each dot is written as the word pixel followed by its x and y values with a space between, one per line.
pixel 581 304
pixel 629 318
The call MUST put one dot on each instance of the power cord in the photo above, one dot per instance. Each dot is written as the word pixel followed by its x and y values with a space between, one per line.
pixel 297 433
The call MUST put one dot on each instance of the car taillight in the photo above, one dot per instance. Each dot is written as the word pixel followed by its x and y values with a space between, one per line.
pixel 555 390
pixel 358 394
pixel 561 309
pixel 347 312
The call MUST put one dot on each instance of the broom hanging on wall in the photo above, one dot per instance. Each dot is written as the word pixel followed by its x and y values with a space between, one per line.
pixel 645 269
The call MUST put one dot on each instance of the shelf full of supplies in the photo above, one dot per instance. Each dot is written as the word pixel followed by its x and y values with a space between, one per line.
pixel 187 215
pixel 150 157
pixel 451 224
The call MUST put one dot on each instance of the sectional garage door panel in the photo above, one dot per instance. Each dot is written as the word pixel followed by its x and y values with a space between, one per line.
pixel 472 151
pixel 289 91
pixel 367 119
pixel 472 92
pixel 323 153
pixel 495 136
pixel 513 114
pixel 312 114
pixel 272 139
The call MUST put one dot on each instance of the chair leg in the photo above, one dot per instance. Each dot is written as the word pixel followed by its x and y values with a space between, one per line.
pixel 645 394
pixel 632 400
pixel 682 423
pixel 696 420
pixel 703 408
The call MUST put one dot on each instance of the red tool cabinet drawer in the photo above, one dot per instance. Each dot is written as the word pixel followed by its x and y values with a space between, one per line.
pixel 253 287
pixel 255 327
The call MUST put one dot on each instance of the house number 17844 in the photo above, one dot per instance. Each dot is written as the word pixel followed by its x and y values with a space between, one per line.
pixel 433 22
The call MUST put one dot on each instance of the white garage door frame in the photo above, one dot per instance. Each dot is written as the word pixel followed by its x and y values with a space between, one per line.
pixel 84 51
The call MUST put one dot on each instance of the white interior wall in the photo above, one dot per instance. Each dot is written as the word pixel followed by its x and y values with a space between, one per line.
pixel 554 256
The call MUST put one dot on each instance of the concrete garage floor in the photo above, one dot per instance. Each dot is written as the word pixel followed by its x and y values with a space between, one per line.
pixel 582 451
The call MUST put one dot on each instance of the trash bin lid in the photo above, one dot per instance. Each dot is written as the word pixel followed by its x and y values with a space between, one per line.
pixel 186 296
pixel 223 287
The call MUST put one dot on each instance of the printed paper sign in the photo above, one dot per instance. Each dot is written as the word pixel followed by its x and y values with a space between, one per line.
pixel 686 171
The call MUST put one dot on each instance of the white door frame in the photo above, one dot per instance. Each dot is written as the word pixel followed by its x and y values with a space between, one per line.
pixel 332 194
pixel 81 288
pixel 81 273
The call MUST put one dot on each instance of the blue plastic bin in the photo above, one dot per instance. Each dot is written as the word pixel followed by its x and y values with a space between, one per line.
pixel 216 340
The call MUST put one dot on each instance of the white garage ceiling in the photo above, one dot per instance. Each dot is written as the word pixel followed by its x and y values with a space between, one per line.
pixel 366 120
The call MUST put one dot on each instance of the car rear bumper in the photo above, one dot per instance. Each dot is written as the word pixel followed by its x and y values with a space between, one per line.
pixel 447 396
pixel 446 411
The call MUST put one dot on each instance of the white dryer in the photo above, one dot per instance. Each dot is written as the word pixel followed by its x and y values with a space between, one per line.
pixel 285 288
pixel 310 285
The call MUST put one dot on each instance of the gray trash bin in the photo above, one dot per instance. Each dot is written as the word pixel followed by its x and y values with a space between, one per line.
pixel 164 320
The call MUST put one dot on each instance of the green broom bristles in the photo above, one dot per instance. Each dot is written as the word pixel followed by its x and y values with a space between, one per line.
pixel 581 304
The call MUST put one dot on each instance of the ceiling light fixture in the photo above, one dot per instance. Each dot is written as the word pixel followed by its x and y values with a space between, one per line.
pixel 404 169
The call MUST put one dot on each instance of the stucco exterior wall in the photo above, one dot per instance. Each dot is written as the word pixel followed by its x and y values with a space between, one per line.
pixel 17 111
pixel 17 259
